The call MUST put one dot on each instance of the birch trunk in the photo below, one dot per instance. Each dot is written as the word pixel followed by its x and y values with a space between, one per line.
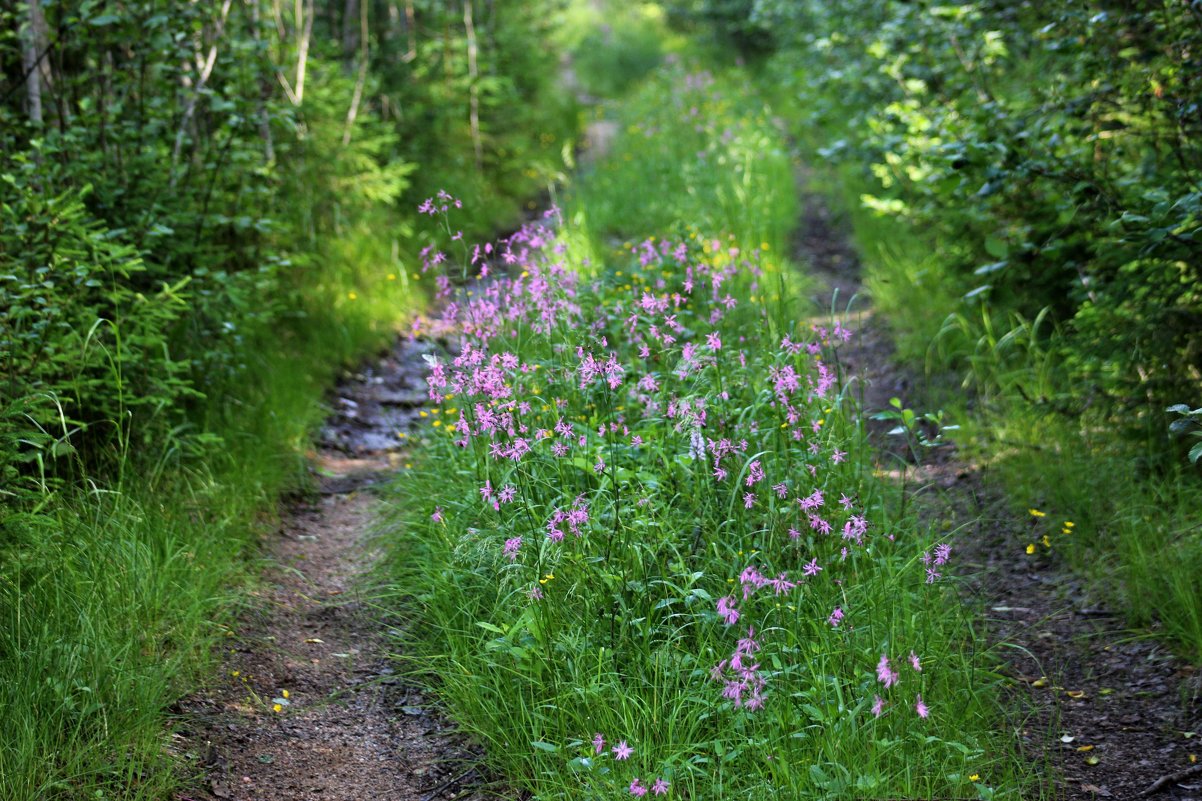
pixel 473 73
pixel 364 55
pixel 302 57
pixel 32 52
pixel 206 69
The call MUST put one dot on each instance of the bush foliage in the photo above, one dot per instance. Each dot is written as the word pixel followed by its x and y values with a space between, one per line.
pixel 1050 151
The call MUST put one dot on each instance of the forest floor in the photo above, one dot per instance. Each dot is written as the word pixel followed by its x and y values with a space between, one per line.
pixel 349 729
pixel 1104 711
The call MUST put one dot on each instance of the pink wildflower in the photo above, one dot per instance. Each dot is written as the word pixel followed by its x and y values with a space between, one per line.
pixel 622 750
pixel 660 787
pixel 914 662
pixel 943 552
pixel 598 743
pixel 813 501
pixel 885 674
pixel 726 608
pixel 781 584
pixel 921 708
pixel 637 789
pixel 878 706
pixel 752 580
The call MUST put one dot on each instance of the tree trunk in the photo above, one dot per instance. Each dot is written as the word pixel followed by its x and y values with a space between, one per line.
pixel 264 93
pixel 364 58
pixel 302 58
pixel 411 27
pixel 473 73
pixel 350 30
pixel 32 53
pixel 206 69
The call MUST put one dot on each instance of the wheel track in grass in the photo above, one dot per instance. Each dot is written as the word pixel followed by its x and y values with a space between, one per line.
pixel 350 729
pixel 1102 710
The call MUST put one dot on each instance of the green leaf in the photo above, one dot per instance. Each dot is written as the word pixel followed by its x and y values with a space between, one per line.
pixel 993 267
pixel 490 627
pixel 548 747
pixel 997 247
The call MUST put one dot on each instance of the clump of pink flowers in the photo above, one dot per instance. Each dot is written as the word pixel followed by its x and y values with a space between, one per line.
pixel 676 460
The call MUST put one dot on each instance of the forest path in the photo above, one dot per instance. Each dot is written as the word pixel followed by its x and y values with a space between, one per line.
pixel 1103 711
pixel 348 729
pixel 351 730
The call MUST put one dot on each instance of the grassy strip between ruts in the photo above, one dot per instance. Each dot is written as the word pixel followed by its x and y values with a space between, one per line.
pixel 642 544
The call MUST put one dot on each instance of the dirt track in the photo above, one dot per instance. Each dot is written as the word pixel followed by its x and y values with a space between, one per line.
pixel 349 729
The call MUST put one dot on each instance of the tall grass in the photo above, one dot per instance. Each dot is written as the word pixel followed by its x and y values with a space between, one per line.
pixel 614 534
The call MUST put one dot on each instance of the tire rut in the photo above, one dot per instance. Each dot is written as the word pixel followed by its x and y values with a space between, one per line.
pixel 308 705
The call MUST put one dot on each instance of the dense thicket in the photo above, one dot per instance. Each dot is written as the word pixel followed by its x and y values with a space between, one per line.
pixel 1051 151
pixel 175 176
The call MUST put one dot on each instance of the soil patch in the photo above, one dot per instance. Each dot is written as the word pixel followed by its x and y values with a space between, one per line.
pixel 309 706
